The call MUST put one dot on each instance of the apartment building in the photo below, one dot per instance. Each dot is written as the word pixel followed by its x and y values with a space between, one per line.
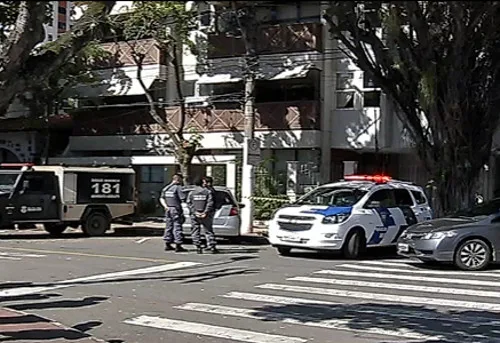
pixel 318 116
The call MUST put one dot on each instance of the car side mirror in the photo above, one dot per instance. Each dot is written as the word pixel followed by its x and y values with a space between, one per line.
pixel 373 204
pixel 241 205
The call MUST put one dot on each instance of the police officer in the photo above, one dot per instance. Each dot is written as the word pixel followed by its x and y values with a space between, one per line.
pixel 208 183
pixel 201 204
pixel 171 199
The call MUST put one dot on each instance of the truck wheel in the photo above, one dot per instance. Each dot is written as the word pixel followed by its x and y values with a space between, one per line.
pixel 355 245
pixel 96 224
pixel 55 229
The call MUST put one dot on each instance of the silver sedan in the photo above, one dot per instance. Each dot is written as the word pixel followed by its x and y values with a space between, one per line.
pixel 470 239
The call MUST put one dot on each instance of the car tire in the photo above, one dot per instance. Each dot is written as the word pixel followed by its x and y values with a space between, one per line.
pixel 96 224
pixel 234 240
pixel 284 251
pixel 355 245
pixel 472 254
pixel 55 229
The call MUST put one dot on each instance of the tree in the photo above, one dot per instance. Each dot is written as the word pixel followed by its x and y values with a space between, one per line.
pixel 169 24
pixel 438 62
pixel 45 98
pixel 22 64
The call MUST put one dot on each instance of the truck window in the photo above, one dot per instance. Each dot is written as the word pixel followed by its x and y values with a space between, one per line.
pixel 403 198
pixel 419 197
pixel 39 183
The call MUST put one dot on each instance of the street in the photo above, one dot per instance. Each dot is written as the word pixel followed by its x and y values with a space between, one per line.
pixel 125 288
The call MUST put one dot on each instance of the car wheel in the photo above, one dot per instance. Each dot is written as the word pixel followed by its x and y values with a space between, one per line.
pixel 355 245
pixel 473 254
pixel 284 251
pixel 96 224
pixel 55 229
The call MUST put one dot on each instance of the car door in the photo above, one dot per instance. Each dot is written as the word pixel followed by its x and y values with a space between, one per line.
pixel 36 198
pixel 421 207
pixel 382 224
pixel 403 213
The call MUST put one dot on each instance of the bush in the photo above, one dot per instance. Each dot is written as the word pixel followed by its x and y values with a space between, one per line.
pixel 264 208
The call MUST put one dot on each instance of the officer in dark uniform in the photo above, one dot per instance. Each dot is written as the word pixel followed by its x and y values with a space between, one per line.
pixel 201 204
pixel 208 182
pixel 171 199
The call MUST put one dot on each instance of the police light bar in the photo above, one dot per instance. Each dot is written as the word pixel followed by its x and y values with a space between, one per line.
pixel 372 178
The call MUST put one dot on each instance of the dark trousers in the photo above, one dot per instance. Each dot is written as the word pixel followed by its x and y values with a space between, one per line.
pixel 174 218
pixel 207 224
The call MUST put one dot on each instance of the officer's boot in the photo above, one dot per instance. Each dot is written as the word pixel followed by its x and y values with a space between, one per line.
pixel 179 248
pixel 199 249
pixel 214 250
pixel 168 247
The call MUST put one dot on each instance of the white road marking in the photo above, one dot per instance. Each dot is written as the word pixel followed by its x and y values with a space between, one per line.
pixel 16 254
pixel 383 297
pixel 409 278
pixel 399 286
pixel 418 271
pixel 211 330
pixel 406 263
pixel 100 277
pixel 300 319
pixel 10 258
pixel 362 309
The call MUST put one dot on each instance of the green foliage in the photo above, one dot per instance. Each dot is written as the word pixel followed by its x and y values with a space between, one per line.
pixel 8 15
pixel 268 194
pixel 168 22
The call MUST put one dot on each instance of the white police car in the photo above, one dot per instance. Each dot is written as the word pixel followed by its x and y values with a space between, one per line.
pixel 349 215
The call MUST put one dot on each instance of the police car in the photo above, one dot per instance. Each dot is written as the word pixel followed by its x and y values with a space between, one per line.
pixel 348 216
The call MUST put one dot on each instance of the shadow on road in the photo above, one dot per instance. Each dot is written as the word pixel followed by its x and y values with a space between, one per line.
pixel 85 302
pixel 416 323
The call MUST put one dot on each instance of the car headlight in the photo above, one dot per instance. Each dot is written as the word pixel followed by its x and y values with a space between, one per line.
pixel 335 219
pixel 440 234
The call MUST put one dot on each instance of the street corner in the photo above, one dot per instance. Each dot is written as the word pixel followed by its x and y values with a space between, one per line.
pixel 18 325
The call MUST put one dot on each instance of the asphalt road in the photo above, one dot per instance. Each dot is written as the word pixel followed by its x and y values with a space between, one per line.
pixel 127 289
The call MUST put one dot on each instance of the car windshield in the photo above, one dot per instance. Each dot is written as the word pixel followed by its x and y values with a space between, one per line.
pixel 331 196
pixel 7 181
pixel 478 212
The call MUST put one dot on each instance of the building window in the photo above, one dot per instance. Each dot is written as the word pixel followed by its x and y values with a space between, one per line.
pixel 152 174
pixel 61 25
pixel 205 18
pixel 344 89
pixel 371 99
pixel 61 10
pixel 344 80
pixel 369 82
pixel 345 99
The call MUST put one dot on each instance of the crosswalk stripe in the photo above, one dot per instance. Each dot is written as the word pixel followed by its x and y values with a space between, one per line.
pixel 409 278
pixel 398 286
pixel 361 308
pixel 10 258
pixel 17 255
pixel 417 271
pixel 211 330
pixel 406 263
pixel 299 319
pixel 381 297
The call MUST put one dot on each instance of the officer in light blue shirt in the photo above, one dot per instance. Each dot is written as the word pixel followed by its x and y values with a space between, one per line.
pixel 171 199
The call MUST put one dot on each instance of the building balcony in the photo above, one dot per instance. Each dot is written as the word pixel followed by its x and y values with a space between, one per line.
pixel 279 116
pixel 121 53
pixel 275 39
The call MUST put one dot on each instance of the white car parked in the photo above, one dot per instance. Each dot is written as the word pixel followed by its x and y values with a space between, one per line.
pixel 348 216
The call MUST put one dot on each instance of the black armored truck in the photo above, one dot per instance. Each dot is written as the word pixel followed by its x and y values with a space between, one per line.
pixel 60 197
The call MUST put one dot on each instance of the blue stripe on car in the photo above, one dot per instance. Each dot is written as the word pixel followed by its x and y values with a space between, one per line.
pixel 330 211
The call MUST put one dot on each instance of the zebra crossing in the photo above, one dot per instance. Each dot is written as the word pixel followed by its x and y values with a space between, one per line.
pixel 395 300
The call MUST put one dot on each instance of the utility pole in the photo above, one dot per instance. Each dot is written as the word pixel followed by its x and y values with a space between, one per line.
pixel 246 18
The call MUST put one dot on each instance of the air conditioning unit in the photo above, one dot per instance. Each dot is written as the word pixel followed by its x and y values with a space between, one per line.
pixel 197 101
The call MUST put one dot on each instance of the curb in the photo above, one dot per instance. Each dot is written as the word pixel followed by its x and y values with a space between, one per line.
pixel 24 329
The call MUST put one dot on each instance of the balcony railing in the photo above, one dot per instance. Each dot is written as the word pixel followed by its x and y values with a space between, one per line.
pixel 297 115
pixel 276 39
pixel 121 53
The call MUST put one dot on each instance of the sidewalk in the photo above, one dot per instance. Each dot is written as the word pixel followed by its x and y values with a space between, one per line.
pixel 25 327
